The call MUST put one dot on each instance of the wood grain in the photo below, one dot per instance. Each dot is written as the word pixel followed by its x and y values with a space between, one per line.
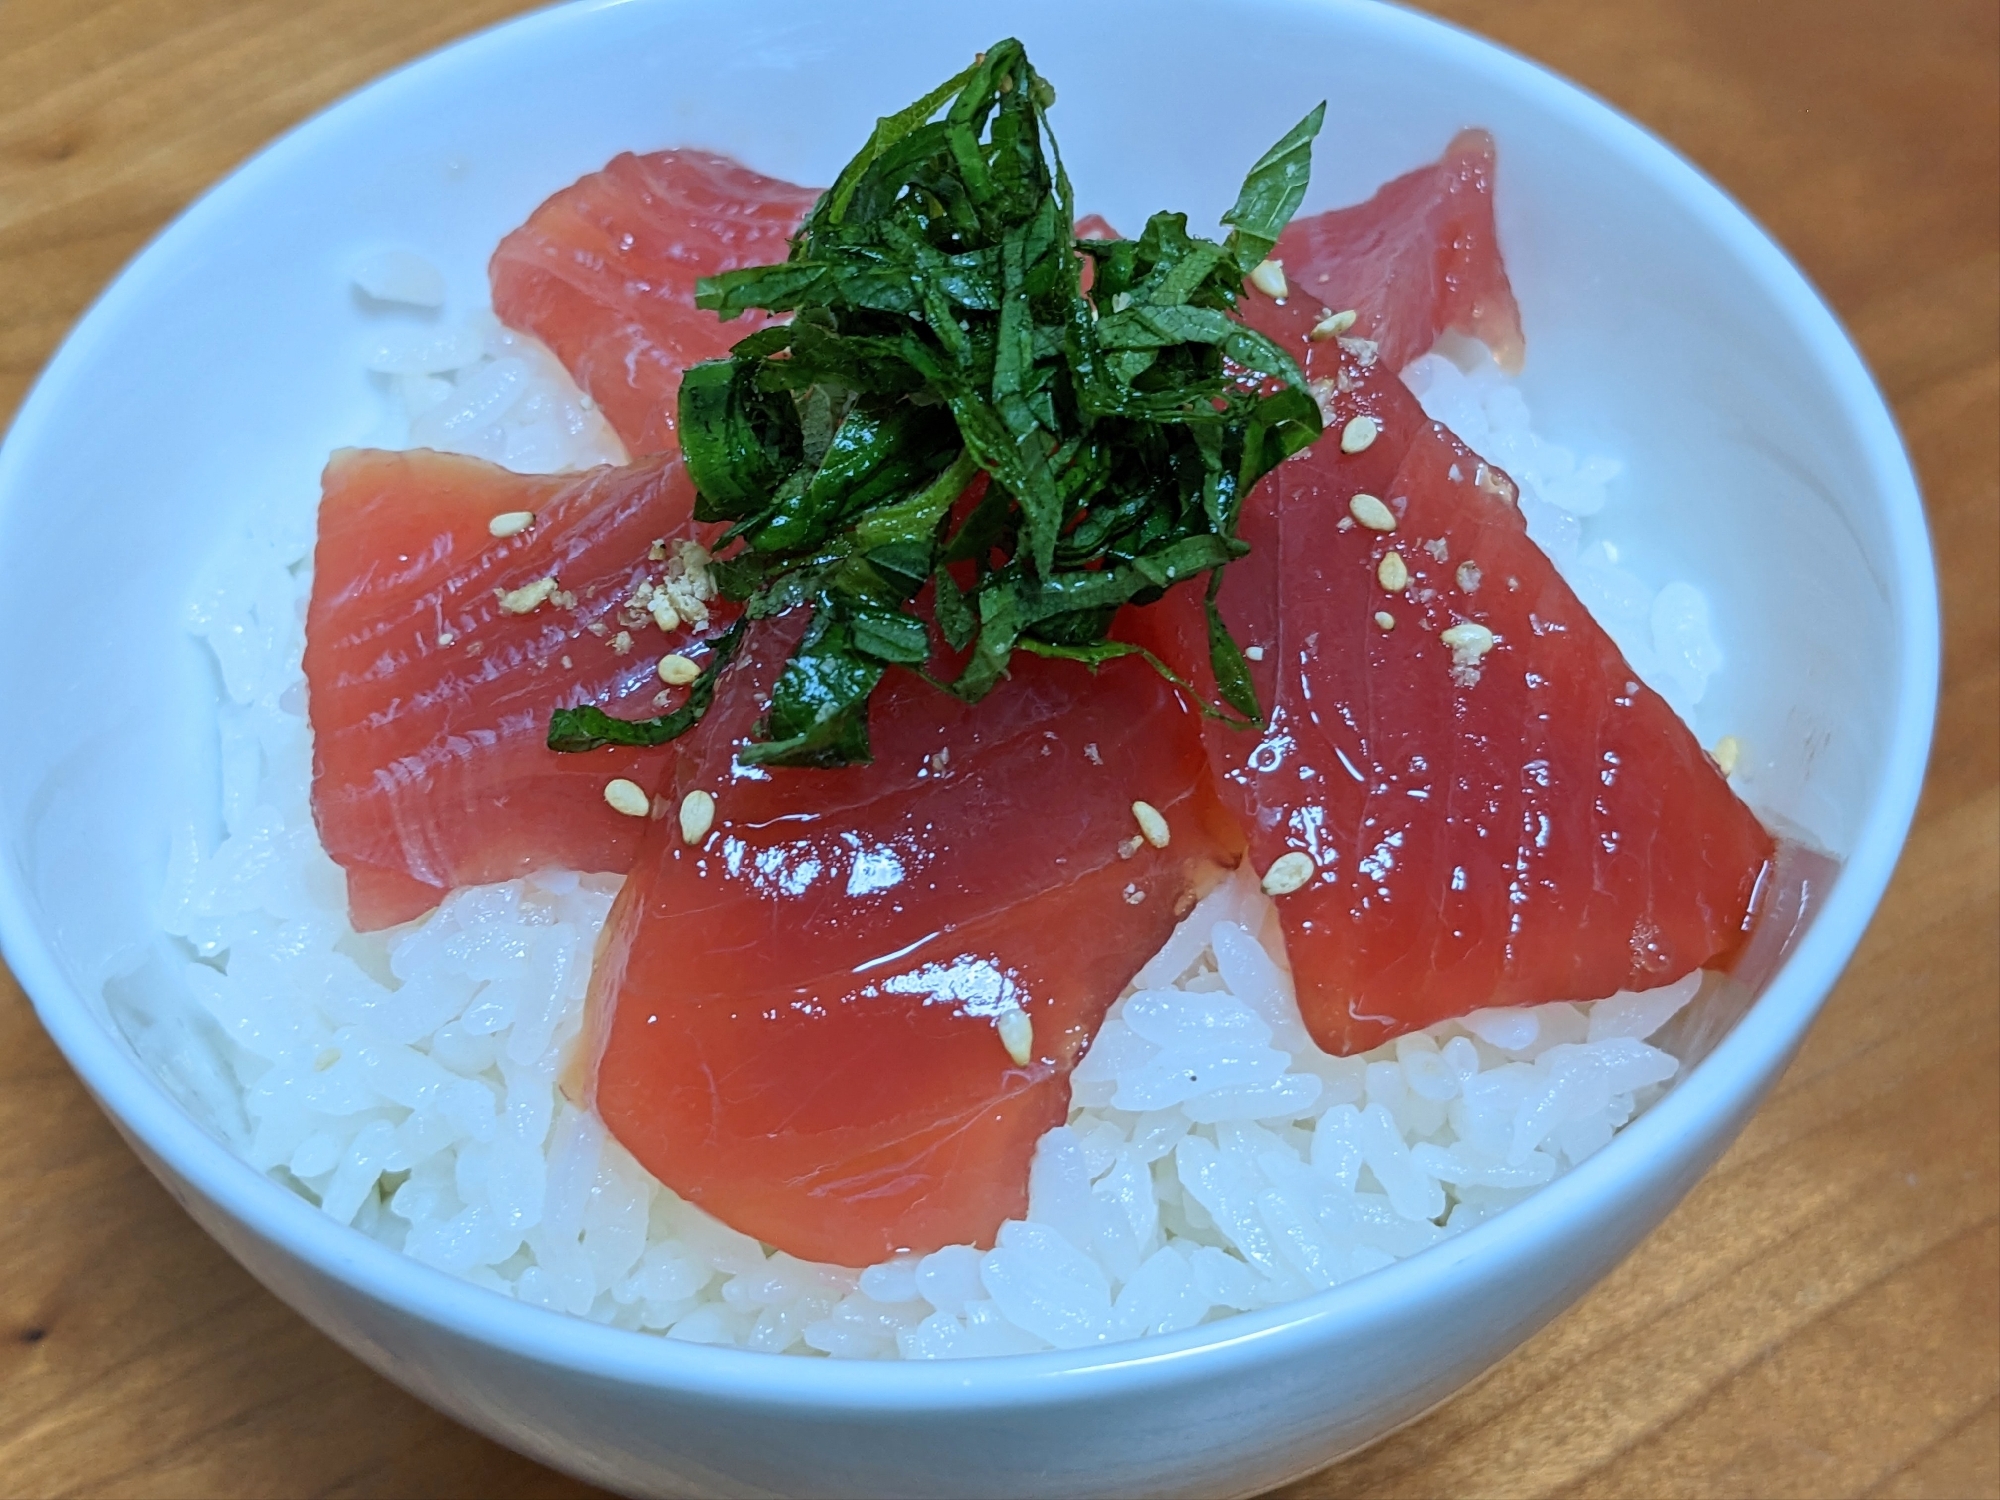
pixel 1822 1316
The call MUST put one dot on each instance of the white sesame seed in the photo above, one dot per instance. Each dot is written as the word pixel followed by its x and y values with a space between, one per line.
pixel 627 797
pixel 529 597
pixel 1152 824
pixel 1372 513
pixel 1728 754
pixel 1358 434
pixel 1469 576
pixel 1017 1034
pixel 1288 873
pixel 678 671
pixel 1333 325
pixel 1131 846
pixel 1269 278
pixel 1469 641
pixel 1392 572
pixel 1384 620
pixel 510 523
pixel 447 638
pixel 697 816
pixel 1255 653
pixel 1495 483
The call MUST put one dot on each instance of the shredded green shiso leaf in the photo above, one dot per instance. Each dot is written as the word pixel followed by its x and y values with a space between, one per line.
pixel 940 330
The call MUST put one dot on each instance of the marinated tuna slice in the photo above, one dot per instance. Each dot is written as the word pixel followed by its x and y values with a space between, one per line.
pixel 1465 795
pixel 1417 260
pixel 436 648
pixel 842 1016
pixel 604 274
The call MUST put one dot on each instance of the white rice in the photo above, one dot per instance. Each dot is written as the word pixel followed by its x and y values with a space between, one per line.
pixel 474 385
pixel 1214 1161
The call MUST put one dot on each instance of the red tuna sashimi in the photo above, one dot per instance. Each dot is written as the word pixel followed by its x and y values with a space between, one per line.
pixel 1496 810
pixel 604 274
pixel 806 1012
pixel 429 694
pixel 1419 258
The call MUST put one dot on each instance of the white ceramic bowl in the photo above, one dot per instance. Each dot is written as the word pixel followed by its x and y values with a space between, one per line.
pixel 213 377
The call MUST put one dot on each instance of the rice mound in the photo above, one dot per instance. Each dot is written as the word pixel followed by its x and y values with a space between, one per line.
pixel 1214 1160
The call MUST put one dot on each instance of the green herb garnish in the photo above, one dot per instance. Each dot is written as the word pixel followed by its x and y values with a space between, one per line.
pixel 940 331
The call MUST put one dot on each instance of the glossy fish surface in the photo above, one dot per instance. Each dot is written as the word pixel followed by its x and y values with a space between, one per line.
pixel 435 651
pixel 809 1016
pixel 1419 259
pixel 1493 808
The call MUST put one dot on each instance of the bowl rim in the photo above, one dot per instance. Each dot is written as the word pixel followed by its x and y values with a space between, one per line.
pixel 1745 1060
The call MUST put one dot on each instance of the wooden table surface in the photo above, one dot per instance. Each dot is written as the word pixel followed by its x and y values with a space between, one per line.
pixel 1820 1318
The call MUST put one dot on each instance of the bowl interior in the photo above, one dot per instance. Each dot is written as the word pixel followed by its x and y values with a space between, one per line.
pixel 207 387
